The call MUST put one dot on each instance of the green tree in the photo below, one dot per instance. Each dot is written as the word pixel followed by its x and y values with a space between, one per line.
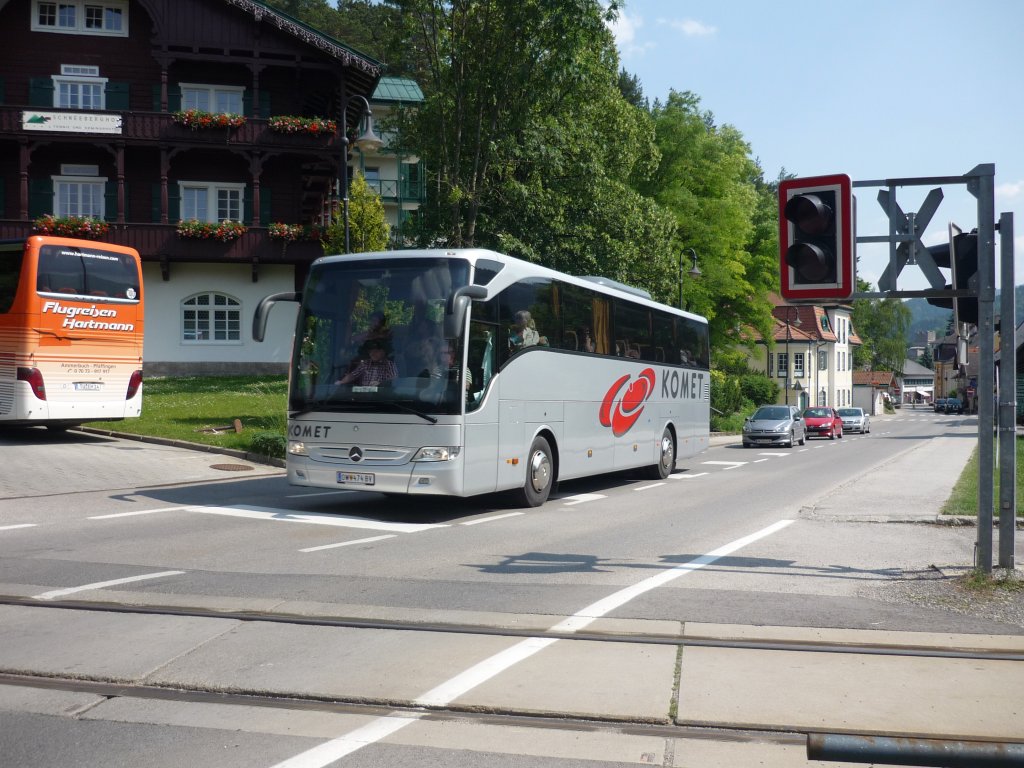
pixel 722 209
pixel 498 74
pixel 368 226
pixel 882 327
pixel 925 358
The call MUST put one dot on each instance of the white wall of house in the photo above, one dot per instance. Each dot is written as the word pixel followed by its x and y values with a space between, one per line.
pixel 166 348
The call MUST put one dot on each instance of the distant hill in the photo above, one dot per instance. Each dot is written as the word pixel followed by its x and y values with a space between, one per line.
pixel 925 317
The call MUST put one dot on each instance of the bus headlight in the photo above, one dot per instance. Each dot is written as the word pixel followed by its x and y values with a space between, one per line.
pixel 437 453
pixel 297 448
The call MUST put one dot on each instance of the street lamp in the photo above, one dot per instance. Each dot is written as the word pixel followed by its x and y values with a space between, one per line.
pixel 789 335
pixel 694 271
pixel 367 141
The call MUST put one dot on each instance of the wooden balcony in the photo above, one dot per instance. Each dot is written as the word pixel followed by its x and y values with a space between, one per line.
pixel 160 242
pixel 159 127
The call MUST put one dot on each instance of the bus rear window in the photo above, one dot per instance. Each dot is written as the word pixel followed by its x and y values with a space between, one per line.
pixel 89 272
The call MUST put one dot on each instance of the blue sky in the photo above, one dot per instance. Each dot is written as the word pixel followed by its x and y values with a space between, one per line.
pixel 876 89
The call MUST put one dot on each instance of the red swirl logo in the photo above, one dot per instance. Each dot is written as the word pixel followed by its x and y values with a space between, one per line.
pixel 622 414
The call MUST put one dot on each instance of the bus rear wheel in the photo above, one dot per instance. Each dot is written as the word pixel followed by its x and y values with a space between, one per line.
pixel 539 474
pixel 666 457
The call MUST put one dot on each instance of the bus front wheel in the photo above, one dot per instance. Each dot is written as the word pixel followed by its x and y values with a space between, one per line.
pixel 539 474
pixel 666 456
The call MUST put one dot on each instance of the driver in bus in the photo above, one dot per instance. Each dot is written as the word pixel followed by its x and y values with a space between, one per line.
pixel 378 369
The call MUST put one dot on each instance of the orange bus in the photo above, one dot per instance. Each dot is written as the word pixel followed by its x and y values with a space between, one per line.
pixel 71 322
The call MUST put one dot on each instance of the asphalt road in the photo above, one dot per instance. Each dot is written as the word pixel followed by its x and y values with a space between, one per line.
pixel 819 538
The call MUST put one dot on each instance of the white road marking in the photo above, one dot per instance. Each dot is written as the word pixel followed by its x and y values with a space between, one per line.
pixel 136 512
pixel 579 498
pixel 489 519
pixel 725 463
pixel 19 525
pixel 758 461
pixel 101 584
pixel 687 476
pixel 648 487
pixel 776 453
pixel 315 518
pixel 446 692
pixel 349 543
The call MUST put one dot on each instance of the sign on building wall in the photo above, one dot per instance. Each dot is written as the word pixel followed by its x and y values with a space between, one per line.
pixel 71 122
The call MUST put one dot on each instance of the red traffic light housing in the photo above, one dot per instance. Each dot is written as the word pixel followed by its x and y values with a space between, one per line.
pixel 817 245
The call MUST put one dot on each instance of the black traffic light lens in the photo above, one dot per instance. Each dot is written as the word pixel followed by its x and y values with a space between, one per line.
pixel 811 264
pixel 810 213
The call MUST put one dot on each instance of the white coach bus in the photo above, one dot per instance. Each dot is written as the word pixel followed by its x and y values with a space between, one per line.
pixel 462 372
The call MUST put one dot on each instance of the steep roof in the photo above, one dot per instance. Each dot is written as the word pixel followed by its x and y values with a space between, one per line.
pixel 398 89
pixel 874 378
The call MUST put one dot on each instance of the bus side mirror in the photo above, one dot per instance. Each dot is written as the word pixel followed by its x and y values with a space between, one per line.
pixel 455 309
pixel 259 319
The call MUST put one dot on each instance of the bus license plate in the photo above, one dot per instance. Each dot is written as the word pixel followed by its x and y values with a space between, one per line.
pixel 89 386
pixel 356 478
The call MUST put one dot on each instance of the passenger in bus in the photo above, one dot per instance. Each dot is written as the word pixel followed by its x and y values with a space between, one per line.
pixel 374 371
pixel 586 340
pixel 524 333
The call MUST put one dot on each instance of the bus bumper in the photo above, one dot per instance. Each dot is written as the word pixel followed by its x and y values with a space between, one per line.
pixel 422 478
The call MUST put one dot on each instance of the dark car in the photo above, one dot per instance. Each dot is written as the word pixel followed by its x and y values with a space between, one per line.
pixel 822 421
pixel 940 405
pixel 953 405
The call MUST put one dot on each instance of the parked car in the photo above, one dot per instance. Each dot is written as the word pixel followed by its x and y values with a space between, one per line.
pixel 953 405
pixel 940 405
pixel 822 421
pixel 774 425
pixel 855 420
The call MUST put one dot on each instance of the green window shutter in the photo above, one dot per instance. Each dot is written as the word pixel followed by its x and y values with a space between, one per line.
pixel 118 97
pixel 247 205
pixel 155 90
pixel 40 196
pixel 264 104
pixel 173 202
pixel 247 103
pixel 110 201
pixel 154 202
pixel 40 92
pixel 265 208
pixel 173 98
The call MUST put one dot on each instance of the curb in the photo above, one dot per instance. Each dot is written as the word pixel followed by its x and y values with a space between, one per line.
pixel 255 458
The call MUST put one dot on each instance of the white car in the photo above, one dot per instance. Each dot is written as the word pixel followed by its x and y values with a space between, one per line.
pixel 855 420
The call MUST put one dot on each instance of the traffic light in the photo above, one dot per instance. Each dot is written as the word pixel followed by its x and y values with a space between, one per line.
pixel 817 244
pixel 960 256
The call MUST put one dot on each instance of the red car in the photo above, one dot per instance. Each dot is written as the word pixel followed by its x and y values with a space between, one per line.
pixel 823 422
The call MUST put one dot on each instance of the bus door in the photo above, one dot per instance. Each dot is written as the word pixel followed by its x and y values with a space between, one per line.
pixel 482 405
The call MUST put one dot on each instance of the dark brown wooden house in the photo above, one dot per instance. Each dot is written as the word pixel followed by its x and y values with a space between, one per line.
pixel 150 113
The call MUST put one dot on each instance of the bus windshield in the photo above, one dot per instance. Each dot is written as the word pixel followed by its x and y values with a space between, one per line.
pixel 80 271
pixel 370 338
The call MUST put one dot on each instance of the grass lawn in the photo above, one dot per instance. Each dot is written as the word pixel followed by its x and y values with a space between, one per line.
pixel 191 408
pixel 964 498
